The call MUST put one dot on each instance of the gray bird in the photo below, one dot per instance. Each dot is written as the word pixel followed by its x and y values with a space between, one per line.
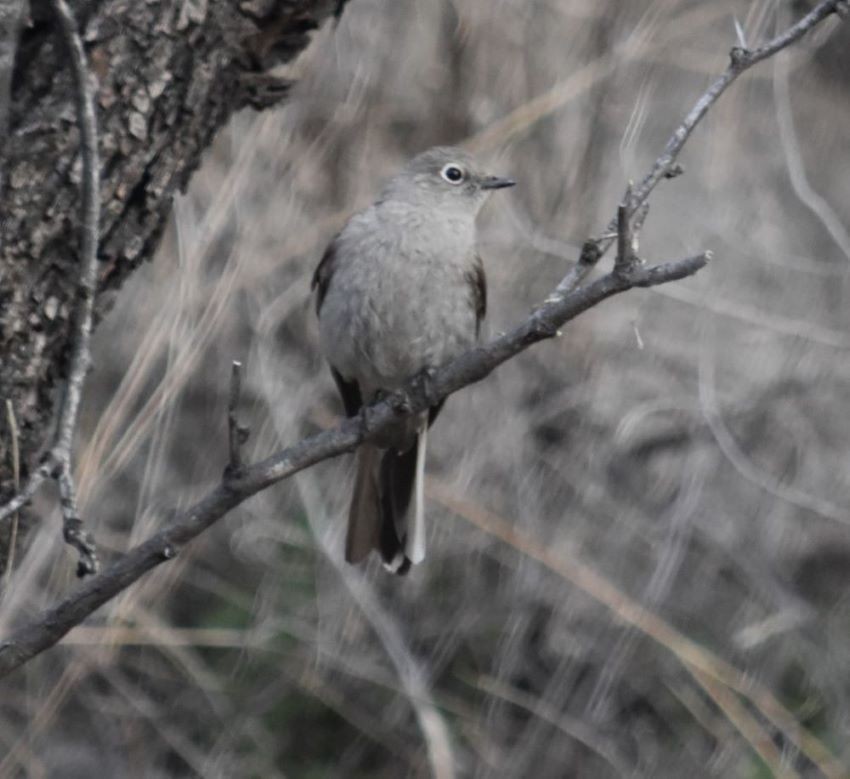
pixel 399 291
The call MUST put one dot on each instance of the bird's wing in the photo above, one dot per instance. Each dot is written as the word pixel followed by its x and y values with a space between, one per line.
pixel 323 274
pixel 477 281
pixel 348 390
pixel 352 398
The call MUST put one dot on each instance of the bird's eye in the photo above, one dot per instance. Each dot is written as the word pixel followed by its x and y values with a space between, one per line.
pixel 452 173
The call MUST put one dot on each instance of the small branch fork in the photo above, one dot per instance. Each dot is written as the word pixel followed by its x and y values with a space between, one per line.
pixel 566 302
pixel 627 237
pixel 666 166
pixel 56 464
pixel 237 434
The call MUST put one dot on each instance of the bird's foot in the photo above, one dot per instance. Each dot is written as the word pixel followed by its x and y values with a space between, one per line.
pixel 397 400
pixel 423 383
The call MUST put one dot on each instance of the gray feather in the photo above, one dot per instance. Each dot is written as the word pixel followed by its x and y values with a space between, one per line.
pixel 402 289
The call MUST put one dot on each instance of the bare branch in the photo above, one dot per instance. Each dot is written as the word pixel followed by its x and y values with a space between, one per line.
pixel 237 435
pixel 16 476
pixel 637 225
pixel 626 257
pixel 37 477
pixel 72 525
pixel 566 303
pixel 740 60
pixel 81 353
pixel 57 463
pixel 49 627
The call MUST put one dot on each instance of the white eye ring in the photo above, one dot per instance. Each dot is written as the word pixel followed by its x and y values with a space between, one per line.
pixel 453 173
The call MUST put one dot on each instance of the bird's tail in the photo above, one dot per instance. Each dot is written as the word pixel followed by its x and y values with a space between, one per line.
pixel 388 505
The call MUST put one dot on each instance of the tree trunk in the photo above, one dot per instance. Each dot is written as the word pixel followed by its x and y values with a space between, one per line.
pixel 168 75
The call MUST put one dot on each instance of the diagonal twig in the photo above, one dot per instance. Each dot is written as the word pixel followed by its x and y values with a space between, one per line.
pixel 741 59
pixel 626 236
pixel 16 478
pixel 48 628
pixel 236 433
pixel 57 462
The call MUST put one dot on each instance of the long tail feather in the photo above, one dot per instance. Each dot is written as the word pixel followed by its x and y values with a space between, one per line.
pixel 364 516
pixel 414 547
pixel 398 473
pixel 388 505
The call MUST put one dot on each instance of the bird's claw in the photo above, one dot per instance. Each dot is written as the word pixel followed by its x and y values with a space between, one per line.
pixel 400 402
pixel 423 383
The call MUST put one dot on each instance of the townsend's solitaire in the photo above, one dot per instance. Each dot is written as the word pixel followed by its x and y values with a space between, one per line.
pixel 399 291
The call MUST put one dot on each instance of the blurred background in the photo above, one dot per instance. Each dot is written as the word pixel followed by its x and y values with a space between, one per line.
pixel 639 544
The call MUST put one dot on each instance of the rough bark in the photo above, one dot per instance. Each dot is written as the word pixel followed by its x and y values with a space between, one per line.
pixel 169 74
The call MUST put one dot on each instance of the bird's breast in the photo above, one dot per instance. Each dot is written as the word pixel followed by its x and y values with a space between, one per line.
pixel 399 302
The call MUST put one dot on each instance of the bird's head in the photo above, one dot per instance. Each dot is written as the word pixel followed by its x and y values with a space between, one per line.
pixel 445 177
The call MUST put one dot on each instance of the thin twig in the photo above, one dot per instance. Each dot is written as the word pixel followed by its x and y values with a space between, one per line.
pixel 89 229
pixel 25 495
pixel 572 726
pixel 740 60
pixel 237 435
pixel 637 224
pixel 625 240
pixel 57 463
pixel 16 477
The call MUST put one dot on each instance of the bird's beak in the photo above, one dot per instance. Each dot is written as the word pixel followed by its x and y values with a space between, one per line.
pixel 495 182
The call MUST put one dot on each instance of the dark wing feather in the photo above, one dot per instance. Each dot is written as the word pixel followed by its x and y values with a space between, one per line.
pixel 350 392
pixel 477 281
pixel 323 274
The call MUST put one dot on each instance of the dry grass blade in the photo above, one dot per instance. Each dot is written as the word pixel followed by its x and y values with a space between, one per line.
pixel 524 117
pixel 743 464
pixel 16 480
pixel 815 202
pixel 745 724
pixel 628 611
pixel 572 727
